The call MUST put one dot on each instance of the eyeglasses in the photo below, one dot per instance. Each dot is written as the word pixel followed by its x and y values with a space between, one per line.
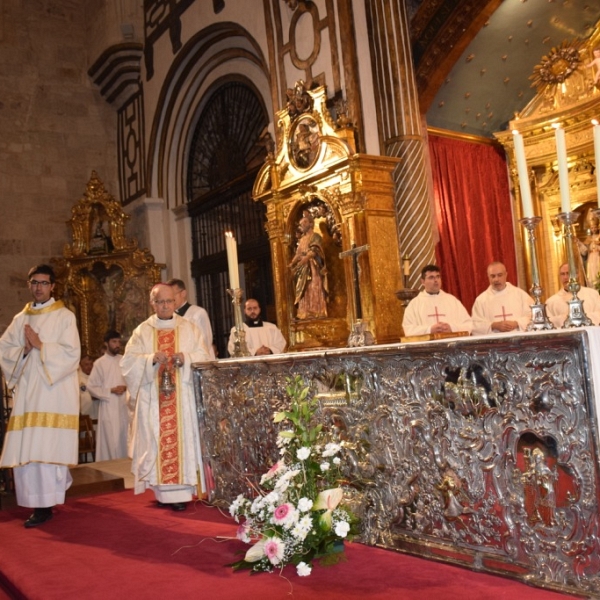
pixel 164 302
pixel 35 282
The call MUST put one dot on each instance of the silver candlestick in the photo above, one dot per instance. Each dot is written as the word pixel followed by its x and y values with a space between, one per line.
pixel 539 318
pixel 576 316
pixel 240 347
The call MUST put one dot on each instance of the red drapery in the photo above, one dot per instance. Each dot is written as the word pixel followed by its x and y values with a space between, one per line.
pixel 474 215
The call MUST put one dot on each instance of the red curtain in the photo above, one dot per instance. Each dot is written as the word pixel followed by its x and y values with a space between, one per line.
pixel 474 215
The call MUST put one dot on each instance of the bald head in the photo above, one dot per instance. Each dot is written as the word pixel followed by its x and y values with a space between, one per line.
pixel 496 273
pixel 563 275
pixel 162 298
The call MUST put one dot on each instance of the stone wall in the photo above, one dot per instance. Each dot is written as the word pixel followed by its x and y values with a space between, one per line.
pixel 54 129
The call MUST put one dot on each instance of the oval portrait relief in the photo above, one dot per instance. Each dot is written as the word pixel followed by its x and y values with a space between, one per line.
pixel 305 142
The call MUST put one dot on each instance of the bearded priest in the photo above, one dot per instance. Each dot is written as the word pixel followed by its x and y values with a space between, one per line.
pixel 156 366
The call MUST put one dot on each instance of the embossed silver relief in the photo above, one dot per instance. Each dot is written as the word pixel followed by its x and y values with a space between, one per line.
pixel 482 448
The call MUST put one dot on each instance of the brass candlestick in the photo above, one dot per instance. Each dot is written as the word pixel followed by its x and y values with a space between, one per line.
pixel 576 316
pixel 240 347
pixel 539 318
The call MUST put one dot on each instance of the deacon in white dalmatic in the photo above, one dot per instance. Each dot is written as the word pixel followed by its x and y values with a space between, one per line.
pixel 39 356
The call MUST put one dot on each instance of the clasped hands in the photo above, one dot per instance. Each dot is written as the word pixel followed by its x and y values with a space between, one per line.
pixel 440 328
pixel 160 357
pixel 32 339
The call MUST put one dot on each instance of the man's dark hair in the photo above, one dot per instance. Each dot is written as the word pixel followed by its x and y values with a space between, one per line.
pixel 178 282
pixel 111 334
pixel 42 270
pixel 428 269
pixel 253 300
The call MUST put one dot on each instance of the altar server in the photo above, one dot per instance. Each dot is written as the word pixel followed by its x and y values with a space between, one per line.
pixel 157 368
pixel 108 388
pixel 262 338
pixel 39 355
pixel 502 307
pixel 433 310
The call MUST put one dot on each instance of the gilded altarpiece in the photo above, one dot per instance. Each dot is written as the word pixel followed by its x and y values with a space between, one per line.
pixel 315 184
pixel 567 95
pixel 103 276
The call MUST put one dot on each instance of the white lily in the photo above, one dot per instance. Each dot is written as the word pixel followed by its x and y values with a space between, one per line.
pixel 328 500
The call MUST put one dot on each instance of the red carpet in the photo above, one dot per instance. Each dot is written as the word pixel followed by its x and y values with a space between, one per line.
pixel 120 546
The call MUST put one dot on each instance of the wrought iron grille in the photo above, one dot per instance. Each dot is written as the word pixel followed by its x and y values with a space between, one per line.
pixel 225 155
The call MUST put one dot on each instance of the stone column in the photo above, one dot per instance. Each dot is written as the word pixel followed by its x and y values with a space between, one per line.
pixel 400 129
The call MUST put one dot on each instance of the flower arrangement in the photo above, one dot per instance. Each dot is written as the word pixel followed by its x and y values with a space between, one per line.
pixel 298 513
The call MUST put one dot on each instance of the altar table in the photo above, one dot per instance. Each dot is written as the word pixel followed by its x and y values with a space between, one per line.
pixel 479 451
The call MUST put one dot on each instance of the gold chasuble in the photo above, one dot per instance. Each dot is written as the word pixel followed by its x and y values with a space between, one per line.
pixel 170 451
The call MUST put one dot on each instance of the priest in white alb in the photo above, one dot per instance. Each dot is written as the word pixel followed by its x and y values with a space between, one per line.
pixel 503 307
pixel 262 338
pixel 107 386
pixel 39 356
pixel 433 310
pixel 157 369
pixel 557 306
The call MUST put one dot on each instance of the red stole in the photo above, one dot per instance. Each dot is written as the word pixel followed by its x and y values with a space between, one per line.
pixel 170 451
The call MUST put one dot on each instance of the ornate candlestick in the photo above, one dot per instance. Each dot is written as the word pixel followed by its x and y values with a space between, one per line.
pixel 576 316
pixel 539 318
pixel 239 345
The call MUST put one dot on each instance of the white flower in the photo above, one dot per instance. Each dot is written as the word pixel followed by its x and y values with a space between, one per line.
pixel 328 500
pixel 285 439
pixel 255 552
pixel 303 569
pixel 284 481
pixel 336 460
pixel 302 528
pixel 303 453
pixel 304 504
pixel 331 449
pixel 324 466
pixel 272 498
pixel 236 504
pixel 342 528
pixel 276 469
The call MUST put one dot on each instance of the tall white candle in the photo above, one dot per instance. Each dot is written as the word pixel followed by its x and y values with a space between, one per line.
pixel 563 168
pixel 232 260
pixel 597 156
pixel 523 174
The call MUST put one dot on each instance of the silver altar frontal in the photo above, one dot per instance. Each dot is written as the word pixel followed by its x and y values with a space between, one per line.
pixel 477 451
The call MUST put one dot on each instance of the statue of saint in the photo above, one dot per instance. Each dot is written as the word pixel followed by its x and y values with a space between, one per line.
pixel 592 243
pixel 309 271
